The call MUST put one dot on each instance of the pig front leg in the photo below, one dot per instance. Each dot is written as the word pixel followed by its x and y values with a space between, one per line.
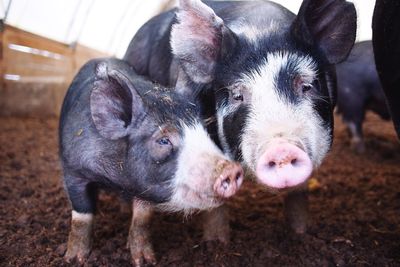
pixel 216 225
pixel 80 237
pixel 357 140
pixel 296 210
pixel 139 234
pixel 353 118
pixel 83 199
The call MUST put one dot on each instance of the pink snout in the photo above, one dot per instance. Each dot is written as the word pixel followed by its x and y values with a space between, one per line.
pixel 229 181
pixel 283 165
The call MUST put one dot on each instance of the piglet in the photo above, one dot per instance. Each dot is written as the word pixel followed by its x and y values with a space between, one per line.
pixel 268 79
pixel 123 133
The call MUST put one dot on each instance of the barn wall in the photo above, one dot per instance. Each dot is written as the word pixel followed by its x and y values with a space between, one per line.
pixel 36 71
pixel 104 25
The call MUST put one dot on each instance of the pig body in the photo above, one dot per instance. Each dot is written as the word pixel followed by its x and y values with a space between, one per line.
pixel 359 89
pixel 123 133
pixel 267 79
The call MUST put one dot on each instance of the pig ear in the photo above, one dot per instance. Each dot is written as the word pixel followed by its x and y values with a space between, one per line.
pixel 113 102
pixel 196 40
pixel 329 24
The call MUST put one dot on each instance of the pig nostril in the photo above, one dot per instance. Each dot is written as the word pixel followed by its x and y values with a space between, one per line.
pixel 271 164
pixel 293 162
pixel 225 183
pixel 238 176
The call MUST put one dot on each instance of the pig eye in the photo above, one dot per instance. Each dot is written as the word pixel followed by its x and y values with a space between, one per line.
pixel 300 86
pixel 306 87
pixel 237 94
pixel 164 141
pixel 238 97
pixel 163 144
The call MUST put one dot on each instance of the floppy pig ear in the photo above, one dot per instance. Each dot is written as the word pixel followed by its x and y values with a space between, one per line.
pixel 113 102
pixel 329 24
pixel 197 39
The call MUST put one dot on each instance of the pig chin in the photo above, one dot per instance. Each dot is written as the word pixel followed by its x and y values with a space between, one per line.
pixel 189 200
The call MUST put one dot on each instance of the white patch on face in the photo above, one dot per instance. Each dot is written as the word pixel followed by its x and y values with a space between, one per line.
pixel 82 217
pixel 194 180
pixel 273 116
pixel 251 32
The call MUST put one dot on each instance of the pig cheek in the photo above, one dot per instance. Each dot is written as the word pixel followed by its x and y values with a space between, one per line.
pixel 250 151
pixel 200 176
pixel 195 191
pixel 195 188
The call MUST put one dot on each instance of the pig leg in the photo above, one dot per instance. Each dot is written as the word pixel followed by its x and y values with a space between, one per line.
pixel 80 237
pixel 357 141
pixel 83 199
pixel 353 118
pixel 216 224
pixel 296 210
pixel 139 234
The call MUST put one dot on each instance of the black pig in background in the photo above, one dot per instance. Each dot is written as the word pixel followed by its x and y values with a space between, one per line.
pixel 359 90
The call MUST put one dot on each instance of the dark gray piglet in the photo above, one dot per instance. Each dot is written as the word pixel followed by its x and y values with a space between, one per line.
pixel 123 133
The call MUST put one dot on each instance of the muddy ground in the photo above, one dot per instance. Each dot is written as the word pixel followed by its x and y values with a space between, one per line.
pixel 355 213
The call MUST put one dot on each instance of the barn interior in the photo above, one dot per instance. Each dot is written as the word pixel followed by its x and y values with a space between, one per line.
pixel 354 197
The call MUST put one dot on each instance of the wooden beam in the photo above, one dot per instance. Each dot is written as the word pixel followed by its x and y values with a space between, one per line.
pixel 36 71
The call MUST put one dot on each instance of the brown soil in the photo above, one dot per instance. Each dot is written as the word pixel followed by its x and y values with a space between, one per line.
pixel 355 214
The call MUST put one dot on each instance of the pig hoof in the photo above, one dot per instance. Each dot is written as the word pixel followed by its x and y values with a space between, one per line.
pixel 79 254
pixel 143 255
pixel 359 148
pixel 300 229
pixel 298 226
pixel 221 235
pixel 358 145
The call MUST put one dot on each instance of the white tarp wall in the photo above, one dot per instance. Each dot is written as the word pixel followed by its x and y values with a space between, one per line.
pixel 108 26
pixel 104 25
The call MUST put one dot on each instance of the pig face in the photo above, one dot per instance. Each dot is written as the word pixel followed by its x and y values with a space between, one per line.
pixel 169 157
pixel 284 115
pixel 274 82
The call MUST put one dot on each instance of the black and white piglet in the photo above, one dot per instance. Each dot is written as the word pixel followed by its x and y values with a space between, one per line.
pixel 267 75
pixel 359 90
pixel 121 132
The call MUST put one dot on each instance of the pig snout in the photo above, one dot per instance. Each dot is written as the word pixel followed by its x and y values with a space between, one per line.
pixel 229 180
pixel 283 165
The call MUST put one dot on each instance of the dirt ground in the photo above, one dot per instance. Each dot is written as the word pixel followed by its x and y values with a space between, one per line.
pixel 355 214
